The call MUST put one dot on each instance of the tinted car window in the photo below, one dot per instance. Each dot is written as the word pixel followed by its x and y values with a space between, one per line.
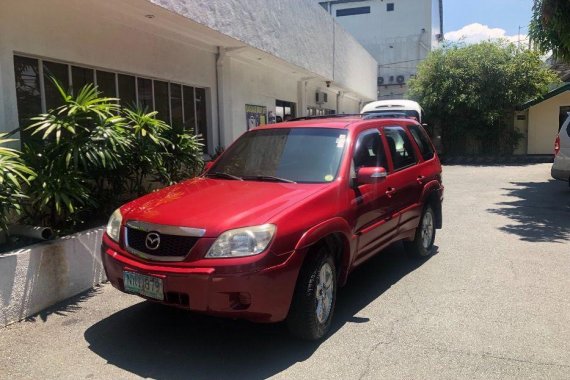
pixel 369 151
pixel 299 154
pixel 401 148
pixel 422 140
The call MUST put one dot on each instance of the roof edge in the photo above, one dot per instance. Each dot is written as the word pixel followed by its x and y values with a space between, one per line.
pixel 557 91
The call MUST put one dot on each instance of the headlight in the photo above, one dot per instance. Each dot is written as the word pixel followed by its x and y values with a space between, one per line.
pixel 114 225
pixel 240 242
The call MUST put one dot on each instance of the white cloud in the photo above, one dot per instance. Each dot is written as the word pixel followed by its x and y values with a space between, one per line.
pixel 474 33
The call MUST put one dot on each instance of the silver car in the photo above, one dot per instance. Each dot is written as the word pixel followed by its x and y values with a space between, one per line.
pixel 561 166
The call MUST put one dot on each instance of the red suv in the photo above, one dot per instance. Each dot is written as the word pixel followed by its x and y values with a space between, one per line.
pixel 280 219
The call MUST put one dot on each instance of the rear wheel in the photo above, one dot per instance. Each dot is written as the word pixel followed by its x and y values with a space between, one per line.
pixel 314 299
pixel 422 245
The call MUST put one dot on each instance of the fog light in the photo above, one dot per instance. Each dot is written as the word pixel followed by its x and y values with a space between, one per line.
pixel 240 300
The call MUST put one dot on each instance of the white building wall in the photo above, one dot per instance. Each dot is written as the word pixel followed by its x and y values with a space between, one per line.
pixel 276 50
pixel 398 39
pixel 297 31
pixel 81 33
pixel 258 85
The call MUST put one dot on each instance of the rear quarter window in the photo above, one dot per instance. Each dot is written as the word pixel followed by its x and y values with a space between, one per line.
pixel 423 141
pixel 401 149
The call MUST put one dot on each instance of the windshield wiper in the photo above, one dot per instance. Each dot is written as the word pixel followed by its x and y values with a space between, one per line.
pixel 269 178
pixel 224 175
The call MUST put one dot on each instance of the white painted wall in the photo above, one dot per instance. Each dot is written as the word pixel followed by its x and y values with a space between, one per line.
pixel 297 31
pixel 86 34
pixel 280 46
pixel 543 123
pixel 398 40
pixel 41 275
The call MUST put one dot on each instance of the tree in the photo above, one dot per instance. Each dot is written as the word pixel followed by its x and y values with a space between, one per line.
pixel 550 27
pixel 471 91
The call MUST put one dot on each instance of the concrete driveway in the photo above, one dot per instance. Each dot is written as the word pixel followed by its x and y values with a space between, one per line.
pixel 494 302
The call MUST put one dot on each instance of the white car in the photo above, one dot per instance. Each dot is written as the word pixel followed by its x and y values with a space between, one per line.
pixel 408 107
pixel 561 166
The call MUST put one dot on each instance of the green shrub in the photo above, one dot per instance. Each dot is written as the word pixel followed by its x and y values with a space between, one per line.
pixel 13 174
pixel 94 155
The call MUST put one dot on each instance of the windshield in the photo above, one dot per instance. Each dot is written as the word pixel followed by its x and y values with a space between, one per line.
pixel 309 155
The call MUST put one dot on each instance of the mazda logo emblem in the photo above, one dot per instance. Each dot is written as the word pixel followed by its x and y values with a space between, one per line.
pixel 152 241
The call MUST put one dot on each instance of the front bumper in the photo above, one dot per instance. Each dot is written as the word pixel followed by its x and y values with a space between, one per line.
pixel 261 295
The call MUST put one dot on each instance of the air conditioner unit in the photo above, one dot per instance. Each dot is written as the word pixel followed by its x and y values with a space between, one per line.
pixel 380 81
pixel 400 79
pixel 321 97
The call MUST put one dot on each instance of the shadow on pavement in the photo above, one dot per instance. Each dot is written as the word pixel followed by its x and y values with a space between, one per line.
pixel 156 341
pixel 67 307
pixel 541 211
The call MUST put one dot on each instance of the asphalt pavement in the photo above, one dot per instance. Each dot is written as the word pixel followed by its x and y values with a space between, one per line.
pixel 492 303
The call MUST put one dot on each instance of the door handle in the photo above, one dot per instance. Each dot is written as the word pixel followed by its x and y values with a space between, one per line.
pixel 420 179
pixel 390 192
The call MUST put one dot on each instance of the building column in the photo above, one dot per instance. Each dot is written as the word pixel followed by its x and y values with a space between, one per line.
pixel 302 97
pixel 224 102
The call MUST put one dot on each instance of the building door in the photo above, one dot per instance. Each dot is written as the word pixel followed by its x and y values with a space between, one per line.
pixel 521 126
pixel 284 110
pixel 564 110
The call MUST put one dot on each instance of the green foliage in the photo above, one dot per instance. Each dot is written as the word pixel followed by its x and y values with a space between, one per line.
pixel 148 145
pixel 13 174
pixel 81 139
pixel 57 192
pixel 550 27
pixel 471 91
pixel 182 157
pixel 95 155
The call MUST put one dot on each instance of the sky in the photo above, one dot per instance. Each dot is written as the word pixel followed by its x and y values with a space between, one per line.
pixel 477 20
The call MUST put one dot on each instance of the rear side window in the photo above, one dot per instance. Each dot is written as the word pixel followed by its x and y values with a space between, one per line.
pixel 423 142
pixel 401 148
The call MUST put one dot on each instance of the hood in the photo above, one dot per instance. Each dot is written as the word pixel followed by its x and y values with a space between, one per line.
pixel 217 205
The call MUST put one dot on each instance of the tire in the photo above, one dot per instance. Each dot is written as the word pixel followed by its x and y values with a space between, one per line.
pixel 314 298
pixel 422 245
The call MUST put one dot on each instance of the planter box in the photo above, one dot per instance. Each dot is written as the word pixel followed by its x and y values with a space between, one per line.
pixel 36 277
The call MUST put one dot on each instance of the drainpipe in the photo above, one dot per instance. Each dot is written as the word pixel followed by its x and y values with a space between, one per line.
pixel 421 44
pixel 220 55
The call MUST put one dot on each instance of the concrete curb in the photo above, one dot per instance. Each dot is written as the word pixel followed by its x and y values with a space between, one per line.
pixel 41 275
pixel 497 160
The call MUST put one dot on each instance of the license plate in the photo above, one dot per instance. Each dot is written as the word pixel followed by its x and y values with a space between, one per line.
pixel 144 285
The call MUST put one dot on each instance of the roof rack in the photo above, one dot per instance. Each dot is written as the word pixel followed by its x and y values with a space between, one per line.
pixel 385 115
pixel 339 115
pixel 364 116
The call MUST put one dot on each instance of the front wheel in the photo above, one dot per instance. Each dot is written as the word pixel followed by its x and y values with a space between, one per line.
pixel 314 299
pixel 422 245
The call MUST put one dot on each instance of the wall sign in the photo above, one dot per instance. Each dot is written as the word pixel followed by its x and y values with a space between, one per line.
pixel 255 116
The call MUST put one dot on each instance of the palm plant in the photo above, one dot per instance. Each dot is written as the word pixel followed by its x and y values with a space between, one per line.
pixel 147 146
pixel 183 158
pixel 84 139
pixel 13 174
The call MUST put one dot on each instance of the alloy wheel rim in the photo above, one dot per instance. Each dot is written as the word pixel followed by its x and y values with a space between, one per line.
pixel 324 293
pixel 427 230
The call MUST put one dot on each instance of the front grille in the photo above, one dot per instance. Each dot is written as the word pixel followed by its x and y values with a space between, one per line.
pixel 169 246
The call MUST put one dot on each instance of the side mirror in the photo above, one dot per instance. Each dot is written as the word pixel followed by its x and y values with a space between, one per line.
pixel 370 175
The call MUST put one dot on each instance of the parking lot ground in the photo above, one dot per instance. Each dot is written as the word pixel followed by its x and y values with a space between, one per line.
pixel 493 303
